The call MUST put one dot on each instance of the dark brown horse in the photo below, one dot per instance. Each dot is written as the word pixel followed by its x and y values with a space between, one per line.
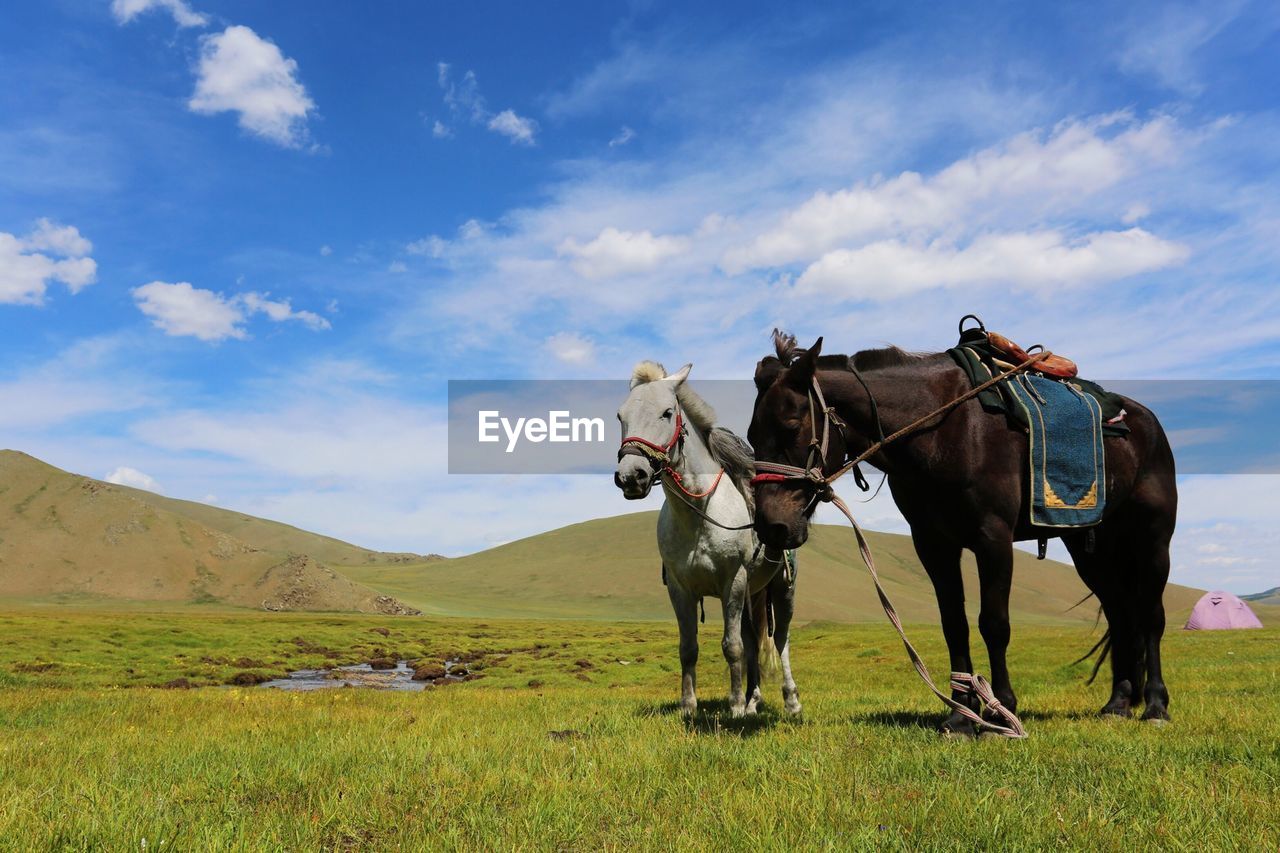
pixel 961 482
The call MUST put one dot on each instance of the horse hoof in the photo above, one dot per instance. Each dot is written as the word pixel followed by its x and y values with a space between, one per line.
pixel 1155 714
pixel 958 729
pixel 793 708
pixel 738 712
pixel 688 710
pixel 1116 712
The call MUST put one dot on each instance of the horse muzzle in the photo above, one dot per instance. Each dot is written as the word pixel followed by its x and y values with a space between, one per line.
pixel 634 477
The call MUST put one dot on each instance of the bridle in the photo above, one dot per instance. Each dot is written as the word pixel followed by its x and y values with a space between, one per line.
pixel 813 476
pixel 813 473
pixel 660 456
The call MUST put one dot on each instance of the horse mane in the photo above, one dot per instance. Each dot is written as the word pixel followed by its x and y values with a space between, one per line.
pixel 788 351
pixel 728 450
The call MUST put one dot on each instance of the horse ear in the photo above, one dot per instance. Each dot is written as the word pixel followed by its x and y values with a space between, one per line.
pixel 800 374
pixel 680 375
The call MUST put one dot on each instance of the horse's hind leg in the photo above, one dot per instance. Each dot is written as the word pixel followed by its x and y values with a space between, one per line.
pixel 1147 555
pixel 686 608
pixel 750 649
pixel 733 600
pixel 1104 572
pixel 782 594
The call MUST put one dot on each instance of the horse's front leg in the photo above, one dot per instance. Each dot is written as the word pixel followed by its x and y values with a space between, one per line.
pixel 783 595
pixel 686 608
pixel 733 600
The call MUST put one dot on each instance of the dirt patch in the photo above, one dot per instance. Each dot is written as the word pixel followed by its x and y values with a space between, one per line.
pixel 248 679
pixel 248 663
pixel 429 672
pixel 178 684
pixel 382 663
pixel 386 632
pixel 583 663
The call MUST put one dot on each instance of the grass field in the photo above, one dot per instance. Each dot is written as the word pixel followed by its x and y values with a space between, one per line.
pixel 571 740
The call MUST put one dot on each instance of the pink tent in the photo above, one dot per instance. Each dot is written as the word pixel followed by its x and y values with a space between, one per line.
pixel 1219 610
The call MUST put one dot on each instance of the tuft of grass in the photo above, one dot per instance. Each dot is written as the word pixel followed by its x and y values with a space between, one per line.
pixel 95 755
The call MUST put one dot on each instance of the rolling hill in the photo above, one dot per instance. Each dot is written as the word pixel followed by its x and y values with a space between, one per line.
pixel 609 568
pixel 67 538
pixel 1270 596
pixel 64 538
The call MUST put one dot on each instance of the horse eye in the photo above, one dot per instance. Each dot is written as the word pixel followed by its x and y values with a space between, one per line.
pixel 668 413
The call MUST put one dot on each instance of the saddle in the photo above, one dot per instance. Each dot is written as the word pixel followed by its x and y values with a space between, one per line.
pixel 1055 365
pixel 982 354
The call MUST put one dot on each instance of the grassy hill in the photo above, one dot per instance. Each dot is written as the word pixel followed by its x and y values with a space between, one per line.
pixel 67 538
pixel 609 568
pixel 1271 597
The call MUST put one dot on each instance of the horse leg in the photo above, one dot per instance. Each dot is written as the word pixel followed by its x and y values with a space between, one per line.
pixel 783 595
pixel 686 608
pixel 941 560
pixel 1147 555
pixel 752 642
pixel 995 577
pixel 733 601
pixel 751 653
pixel 1102 571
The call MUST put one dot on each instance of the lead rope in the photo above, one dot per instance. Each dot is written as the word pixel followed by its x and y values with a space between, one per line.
pixel 962 682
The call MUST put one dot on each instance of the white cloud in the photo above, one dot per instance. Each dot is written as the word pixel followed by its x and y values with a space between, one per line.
pixel 26 271
pixel 397 267
pixel 1077 159
pixel 241 72
pixel 430 246
pixel 615 252
pixel 518 129
pixel 463 98
pixel 183 15
pixel 326 251
pixel 572 348
pixel 180 310
pixel 279 311
pixel 124 476
pixel 892 268
pixel 624 136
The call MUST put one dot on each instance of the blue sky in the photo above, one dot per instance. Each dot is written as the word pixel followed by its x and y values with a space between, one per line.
pixel 243 246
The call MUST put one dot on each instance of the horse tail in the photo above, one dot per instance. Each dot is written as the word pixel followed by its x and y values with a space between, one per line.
pixel 1104 645
pixel 767 655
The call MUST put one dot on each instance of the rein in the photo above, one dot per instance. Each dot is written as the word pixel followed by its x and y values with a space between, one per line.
pixel 813 475
pixel 659 456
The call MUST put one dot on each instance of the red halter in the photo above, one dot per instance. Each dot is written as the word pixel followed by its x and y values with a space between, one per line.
pixel 660 456
pixel 658 452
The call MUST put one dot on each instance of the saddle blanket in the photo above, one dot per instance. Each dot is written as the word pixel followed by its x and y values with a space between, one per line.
pixel 1068 465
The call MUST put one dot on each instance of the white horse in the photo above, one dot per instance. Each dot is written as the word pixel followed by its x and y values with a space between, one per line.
pixel 704 534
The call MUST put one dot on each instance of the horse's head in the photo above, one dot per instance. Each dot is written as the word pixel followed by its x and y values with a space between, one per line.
pixel 783 431
pixel 651 427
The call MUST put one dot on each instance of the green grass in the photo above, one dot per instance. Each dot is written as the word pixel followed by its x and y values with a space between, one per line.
pixel 546 752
